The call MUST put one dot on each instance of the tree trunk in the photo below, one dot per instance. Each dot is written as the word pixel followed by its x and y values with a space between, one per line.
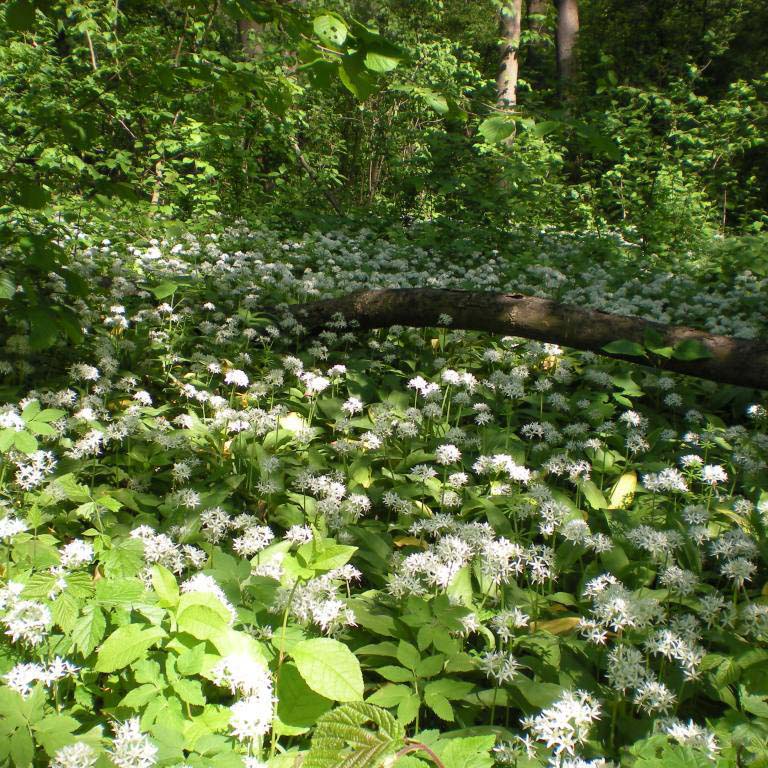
pixel 536 49
pixel 250 37
pixel 506 80
pixel 567 33
pixel 733 361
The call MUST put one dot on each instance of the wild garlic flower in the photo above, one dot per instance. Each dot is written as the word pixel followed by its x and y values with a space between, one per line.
pixel 566 724
pixel 131 748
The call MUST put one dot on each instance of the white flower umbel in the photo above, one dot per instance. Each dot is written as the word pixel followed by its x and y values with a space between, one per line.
pixel 565 724
pixel 131 748
pixel 77 755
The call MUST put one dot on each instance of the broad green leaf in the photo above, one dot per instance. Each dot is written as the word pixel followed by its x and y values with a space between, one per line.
pixel 497 128
pixel 297 704
pixel 408 655
pixel 202 615
pixel 125 645
pixel 389 695
pixel 381 62
pixel 593 494
pixel 329 668
pixel 691 349
pixel 625 347
pixel 330 30
pixel 165 289
pixel 24 442
pixel 164 583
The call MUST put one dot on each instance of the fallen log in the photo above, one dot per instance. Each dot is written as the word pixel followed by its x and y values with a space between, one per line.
pixel 732 361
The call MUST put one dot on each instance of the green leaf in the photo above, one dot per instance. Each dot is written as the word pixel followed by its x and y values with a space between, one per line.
pixel 189 691
pixel 625 347
pixel 330 30
pixel 164 583
pixel 593 494
pixel 395 674
pixel 497 128
pixel 389 695
pixel 690 349
pixel 357 735
pixel 297 704
pixel 55 731
pixel 439 705
pixel 24 442
pixel 165 289
pixel 125 645
pixel 408 655
pixel 202 615
pixel 22 748
pixel 20 15
pixel 467 752
pixel 380 62
pixel 140 696
pixel 190 662
pixel 408 708
pixel 329 668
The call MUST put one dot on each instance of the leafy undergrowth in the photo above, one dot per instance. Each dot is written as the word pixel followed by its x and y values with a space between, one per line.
pixel 224 544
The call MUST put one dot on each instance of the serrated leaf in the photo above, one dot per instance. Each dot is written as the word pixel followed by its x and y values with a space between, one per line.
pixel 329 668
pixel 126 645
pixel 189 691
pixel 89 629
pixel 25 442
pixel 407 655
pixel 389 695
pixel 439 705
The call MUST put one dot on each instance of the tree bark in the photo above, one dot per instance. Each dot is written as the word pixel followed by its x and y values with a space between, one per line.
pixel 733 361
pixel 250 37
pixel 567 33
pixel 506 80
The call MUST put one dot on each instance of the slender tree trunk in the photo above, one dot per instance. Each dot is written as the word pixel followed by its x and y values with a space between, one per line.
pixel 506 80
pixel 733 361
pixel 567 34
pixel 250 37
pixel 536 49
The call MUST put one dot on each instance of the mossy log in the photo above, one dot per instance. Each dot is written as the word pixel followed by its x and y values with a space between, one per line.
pixel 730 360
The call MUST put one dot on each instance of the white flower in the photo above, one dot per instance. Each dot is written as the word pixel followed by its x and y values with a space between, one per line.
pixel 447 454
pixel 76 553
pixel 352 406
pixel 251 717
pixel 77 755
pixel 28 620
pixel 130 748
pixel 566 723
pixel 236 377
pixel 712 474
pixel 241 674
pixel 10 527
